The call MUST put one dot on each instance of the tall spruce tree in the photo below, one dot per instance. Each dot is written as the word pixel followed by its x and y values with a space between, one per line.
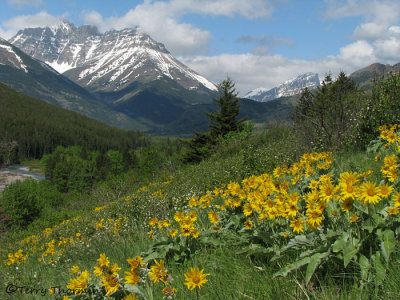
pixel 222 122
pixel 225 120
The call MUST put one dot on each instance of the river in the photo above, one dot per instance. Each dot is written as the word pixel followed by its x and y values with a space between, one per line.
pixel 15 173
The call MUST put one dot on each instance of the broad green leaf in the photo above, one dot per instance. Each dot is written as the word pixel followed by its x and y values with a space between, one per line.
pixel 379 269
pixel 210 241
pixel 152 256
pixel 300 241
pixel 307 253
pixel 135 289
pixel 315 260
pixel 340 243
pixel 388 244
pixel 294 266
pixel 364 266
pixel 349 251
pixel 331 233
pixel 378 220
pixel 368 225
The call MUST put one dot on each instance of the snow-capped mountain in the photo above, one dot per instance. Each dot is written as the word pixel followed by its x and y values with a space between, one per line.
pixel 289 88
pixel 36 79
pixel 111 61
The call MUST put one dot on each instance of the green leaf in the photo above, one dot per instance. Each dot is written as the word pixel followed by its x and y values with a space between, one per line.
pixel 315 261
pixel 349 251
pixel 349 248
pixel 300 241
pixel 294 266
pixel 340 243
pixel 379 269
pixel 388 244
pixel 135 289
pixel 365 266
pixel 368 225
pixel 378 220
pixel 152 256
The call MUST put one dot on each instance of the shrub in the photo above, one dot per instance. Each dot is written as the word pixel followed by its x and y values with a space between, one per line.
pixel 383 107
pixel 24 202
pixel 328 118
pixel 21 203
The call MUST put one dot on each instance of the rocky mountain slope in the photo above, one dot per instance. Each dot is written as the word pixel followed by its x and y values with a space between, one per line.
pixel 36 79
pixel 365 76
pixel 289 88
pixel 116 61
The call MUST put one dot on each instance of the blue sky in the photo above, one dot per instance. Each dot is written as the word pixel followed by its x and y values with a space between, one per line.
pixel 258 43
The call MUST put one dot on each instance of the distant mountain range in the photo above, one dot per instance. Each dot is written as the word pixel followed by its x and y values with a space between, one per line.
pixel 133 80
pixel 36 79
pixel 117 66
pixel 126 79
pixel 364 76
pixel 289 88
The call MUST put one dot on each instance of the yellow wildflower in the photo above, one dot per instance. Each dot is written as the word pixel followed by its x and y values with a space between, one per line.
pixel 195 278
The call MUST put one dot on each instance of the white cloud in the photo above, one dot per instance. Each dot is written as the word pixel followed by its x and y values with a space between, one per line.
pixel 160 19
pixel 382 12
pixel 20 3
pixel 250 9
pixel 388 49
pixel 250 71
pixel 41 19
pixel 378 37
pixel 369 31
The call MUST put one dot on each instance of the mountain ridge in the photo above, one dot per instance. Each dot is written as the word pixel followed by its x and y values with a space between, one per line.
pixel 106 61
pixel 36 79
pixel 289 88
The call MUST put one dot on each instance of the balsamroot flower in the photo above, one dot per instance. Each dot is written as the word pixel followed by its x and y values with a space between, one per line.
pixel 195 278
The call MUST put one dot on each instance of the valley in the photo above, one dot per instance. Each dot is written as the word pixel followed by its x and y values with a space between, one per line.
pixel 151 181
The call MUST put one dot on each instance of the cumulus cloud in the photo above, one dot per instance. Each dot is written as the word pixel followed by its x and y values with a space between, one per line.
pixel 369 31
pixel 383 12
pixel 160 19
pixel 378 37
pixel 41 19
pixel 250 71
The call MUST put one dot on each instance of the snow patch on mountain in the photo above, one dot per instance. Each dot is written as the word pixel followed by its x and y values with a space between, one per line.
pixel 60 67
pixel 290 87
pixel 113 59
pixel 19 64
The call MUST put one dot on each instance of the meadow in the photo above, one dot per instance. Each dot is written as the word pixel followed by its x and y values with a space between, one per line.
pixel 307 226
pixel 307 210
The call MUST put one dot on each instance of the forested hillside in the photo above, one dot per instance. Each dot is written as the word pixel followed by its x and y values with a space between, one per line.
pixel 30 128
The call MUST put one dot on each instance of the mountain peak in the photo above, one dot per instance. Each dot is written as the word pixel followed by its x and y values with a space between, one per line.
pixel 290 87
pixel 109 61
pixel 63 25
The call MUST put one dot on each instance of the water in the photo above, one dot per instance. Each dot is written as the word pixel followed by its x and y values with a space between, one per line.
pixel 12 174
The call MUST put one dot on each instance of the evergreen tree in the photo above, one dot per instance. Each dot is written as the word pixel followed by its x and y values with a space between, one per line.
pixel 199 147
pixel 222 122
pixel 225 120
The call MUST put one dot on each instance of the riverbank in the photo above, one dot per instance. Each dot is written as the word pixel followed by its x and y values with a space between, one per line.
pixel 11 174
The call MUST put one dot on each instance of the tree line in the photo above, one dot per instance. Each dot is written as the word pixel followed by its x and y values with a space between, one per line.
pixel 339 115
pixel 30 128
